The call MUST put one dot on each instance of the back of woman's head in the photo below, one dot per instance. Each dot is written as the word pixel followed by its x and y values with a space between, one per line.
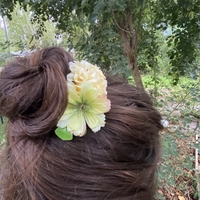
pixel 117 162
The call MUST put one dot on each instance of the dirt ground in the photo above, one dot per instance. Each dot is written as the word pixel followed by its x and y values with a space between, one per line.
pixel 189 179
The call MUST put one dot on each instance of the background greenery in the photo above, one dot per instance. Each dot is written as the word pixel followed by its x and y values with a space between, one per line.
pixel 2 135
pixel 161 38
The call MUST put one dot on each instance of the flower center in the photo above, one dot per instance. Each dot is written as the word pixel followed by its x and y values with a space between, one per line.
pixel 84 107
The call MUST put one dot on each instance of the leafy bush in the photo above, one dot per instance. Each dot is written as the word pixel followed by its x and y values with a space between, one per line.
pixel 3 57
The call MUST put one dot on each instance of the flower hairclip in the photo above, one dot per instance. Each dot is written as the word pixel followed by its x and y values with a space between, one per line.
pixel 87 101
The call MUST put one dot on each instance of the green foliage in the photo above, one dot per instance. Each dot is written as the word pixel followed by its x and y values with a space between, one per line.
pixel 23 34
pixel 2 135
pixel 94 37
pixel 4 57
pixel 183 17
pixel 93 28
pixel 105 51
pixel 167 82
pixel 2 40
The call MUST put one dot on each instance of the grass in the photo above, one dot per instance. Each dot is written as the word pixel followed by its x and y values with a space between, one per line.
pixel 161 81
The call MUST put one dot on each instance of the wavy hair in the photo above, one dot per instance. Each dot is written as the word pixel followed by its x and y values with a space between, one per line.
pixel 117 163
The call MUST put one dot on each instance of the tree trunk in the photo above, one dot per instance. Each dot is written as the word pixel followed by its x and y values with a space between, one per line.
pixel 135 72
pixel 128 38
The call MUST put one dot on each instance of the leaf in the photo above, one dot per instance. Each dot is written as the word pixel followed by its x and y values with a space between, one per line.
pixel 83 2
pixel 92 17
pixel 63 134
pixel 140 3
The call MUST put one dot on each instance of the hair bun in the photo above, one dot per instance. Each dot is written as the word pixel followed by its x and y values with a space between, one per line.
pixel 33 91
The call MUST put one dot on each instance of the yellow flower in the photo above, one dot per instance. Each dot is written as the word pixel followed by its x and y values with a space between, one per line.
pixel 84 107
pixel 83 71
pixel 87 102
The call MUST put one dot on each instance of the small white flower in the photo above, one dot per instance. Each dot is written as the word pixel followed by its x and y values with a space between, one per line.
pixel 165 123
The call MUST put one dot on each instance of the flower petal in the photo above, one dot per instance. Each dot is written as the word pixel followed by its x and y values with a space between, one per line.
pixel 95 122
pixel 86 72
pixel 77 125
pixel 87 100
pixel 63 123
pixel 64 120
pixel 100 105
pixel 88 93
pixel 73 95
pixel 70 77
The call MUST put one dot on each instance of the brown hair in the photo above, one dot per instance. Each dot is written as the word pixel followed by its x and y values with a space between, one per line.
pixel 118 162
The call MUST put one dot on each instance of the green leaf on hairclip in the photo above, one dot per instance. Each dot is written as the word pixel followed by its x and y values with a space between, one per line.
pixel 63 134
